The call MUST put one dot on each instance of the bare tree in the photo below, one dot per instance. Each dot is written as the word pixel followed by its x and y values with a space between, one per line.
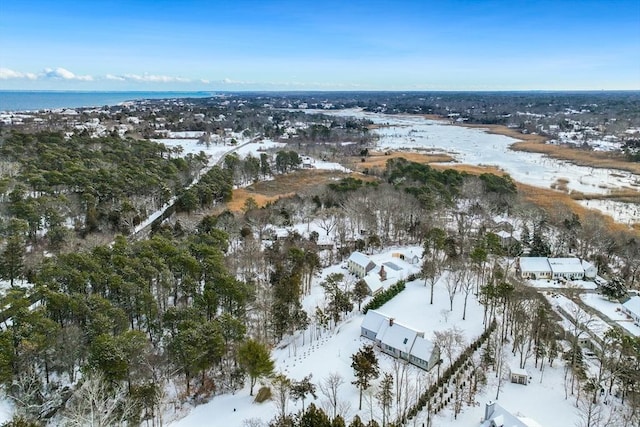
pixel 450 341
pixel 282 387
pixel 455 278
pixel 328 219
pixel 96 403
pixel 595 414
pixel 329 389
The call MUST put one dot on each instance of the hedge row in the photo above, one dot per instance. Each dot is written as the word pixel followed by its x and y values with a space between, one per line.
pixel 463 360
pixel 379 299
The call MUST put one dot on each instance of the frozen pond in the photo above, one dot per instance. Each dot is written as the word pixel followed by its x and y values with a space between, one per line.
pixel 475 147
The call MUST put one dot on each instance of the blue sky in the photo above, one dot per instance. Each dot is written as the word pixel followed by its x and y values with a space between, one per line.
pixel 319 45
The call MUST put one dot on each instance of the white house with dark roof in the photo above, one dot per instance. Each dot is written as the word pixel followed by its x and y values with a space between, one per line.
pixel 360 264
pixel 632 308
pixel 399 341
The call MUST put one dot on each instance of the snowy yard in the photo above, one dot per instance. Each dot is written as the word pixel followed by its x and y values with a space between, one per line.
pixel 613 310
pixel 550 283
pixel 329 351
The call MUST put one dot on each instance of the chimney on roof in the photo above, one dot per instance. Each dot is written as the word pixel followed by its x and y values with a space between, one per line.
pixel 391 321
pixel 383 274
pixel 488 410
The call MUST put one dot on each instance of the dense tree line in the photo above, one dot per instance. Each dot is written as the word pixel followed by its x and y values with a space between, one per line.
pixel 97 184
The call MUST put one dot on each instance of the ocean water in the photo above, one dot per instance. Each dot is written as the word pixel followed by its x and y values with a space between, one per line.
pixel 37 100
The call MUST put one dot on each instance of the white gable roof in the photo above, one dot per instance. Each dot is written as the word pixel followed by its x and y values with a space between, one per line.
pixel 502 417
pixel 534 264
pixel 397 336
pixel 373 283
pixel 373 320
pixel 633 305
pixel 517 370
pixel 422 348
pixel 360 259
pixel 566 265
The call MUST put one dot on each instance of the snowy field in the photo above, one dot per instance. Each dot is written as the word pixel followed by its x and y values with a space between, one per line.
pixel 474 146
pixel 330 352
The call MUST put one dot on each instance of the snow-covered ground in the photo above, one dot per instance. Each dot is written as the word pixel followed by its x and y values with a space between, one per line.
pixel 594 323
pixel 474 146
pixel 330 352
pixel 548 283
pixel 613 310
pixel 625 213
pixel 6 410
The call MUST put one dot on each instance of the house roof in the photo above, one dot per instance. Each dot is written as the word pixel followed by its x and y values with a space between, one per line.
pixel 534 264
pixel 566 265
pixel 586 265
pixel 633 305
pixel 373 320
pixel 360 259
pixel 373 283
pixel 397 336
pixel 503 234
pixel 502 417
pixel 393 266
pixel 516 370
pixel 422 348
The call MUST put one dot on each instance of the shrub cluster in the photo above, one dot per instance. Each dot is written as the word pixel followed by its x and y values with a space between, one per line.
pixel 379 299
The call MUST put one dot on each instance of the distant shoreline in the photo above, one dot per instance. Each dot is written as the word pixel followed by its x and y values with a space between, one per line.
pixel 30 100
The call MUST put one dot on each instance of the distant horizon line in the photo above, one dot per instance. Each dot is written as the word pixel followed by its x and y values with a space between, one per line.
pixel 323 91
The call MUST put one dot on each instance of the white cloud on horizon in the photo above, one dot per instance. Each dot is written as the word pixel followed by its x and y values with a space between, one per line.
pixel 6 74
pixel 64 74
pixel 60 73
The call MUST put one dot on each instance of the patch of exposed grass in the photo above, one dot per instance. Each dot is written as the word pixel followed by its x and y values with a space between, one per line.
pixel 377 161
pixel 287 185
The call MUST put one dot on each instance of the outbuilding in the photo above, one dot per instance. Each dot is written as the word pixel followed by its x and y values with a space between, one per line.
pixel 518 375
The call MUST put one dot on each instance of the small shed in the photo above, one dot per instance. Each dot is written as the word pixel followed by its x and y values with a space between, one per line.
pixel 408 257
pixel 518 375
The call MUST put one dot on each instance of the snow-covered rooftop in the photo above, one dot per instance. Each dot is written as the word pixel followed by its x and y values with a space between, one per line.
pixel 373 320
pixel 422 349
pixel 633 305
pixel 360 259
pixel 516 370
pixel 534 264
pixel 566 265
pixel 397 336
